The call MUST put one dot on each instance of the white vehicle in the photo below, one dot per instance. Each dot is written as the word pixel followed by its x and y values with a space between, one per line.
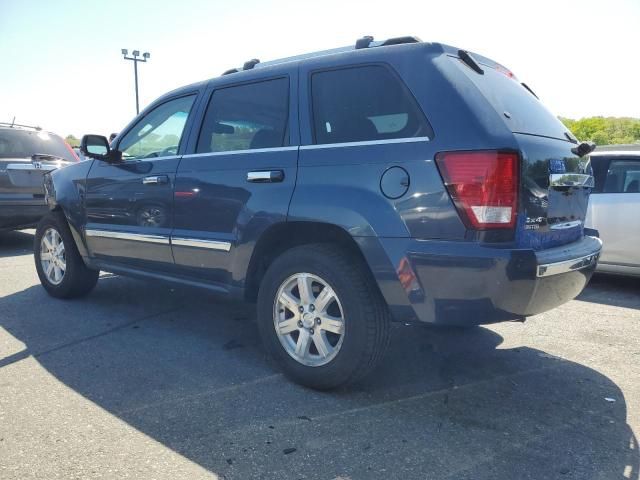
pixel 614 210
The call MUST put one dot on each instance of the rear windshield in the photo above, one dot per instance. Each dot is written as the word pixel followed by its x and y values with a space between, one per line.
pixel 526 113
pixel 15 143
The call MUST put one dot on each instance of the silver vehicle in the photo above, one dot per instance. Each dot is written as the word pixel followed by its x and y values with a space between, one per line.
pixel 614 210
pixel 26 154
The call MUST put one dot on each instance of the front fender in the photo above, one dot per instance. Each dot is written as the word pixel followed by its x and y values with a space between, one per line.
pixel 65 192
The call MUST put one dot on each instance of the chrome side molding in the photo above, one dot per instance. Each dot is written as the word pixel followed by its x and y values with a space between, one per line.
pixel 197 243
pixel 364 143
pixel 136 237
pixel 161 239
pixel 571 180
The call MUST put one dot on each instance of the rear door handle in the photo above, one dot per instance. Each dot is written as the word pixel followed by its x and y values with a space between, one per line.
pixel 155 180
pixel 265 176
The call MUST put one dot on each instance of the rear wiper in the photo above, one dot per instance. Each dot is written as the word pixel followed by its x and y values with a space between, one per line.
pixel 530 91
pixel 584 148
pixel 46 156
pixel 470 61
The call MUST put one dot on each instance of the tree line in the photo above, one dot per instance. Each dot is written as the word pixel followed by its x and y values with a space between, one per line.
pixel 605 130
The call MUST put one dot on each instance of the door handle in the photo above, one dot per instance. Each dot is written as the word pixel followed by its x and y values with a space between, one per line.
pixel 155 180
pixel 265 176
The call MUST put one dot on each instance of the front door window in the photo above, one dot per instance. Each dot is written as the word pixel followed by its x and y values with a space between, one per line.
pixel 158 133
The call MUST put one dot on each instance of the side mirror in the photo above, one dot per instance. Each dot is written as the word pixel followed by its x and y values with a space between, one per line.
pixel 97 146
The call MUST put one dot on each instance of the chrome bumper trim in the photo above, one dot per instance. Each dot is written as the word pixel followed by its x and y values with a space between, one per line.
pixel 195 243
pixel 567 265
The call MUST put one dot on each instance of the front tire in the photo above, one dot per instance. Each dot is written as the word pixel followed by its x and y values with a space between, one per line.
pixel 60 267
pixel 321 316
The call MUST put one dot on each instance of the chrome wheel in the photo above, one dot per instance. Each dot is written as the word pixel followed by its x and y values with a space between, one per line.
pixel 308 319
pixel 52 256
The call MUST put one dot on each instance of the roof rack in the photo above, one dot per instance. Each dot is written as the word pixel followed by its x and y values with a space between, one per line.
pixel 364 42
pixel 248 65
pixel 14 124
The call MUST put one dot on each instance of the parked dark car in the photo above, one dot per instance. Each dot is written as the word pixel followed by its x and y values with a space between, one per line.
pixel 339 190
pixel 26 154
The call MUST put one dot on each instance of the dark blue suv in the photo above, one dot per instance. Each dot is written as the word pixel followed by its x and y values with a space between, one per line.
pixel 341 190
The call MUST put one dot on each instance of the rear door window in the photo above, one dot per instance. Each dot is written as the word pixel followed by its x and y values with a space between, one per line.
pixel 364 103
pixel 246 117
pixel 623 176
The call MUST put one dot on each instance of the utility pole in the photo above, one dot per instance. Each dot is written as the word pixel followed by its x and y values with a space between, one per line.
pixel 135 59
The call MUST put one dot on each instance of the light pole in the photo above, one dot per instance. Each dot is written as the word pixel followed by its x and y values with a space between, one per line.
pixel 135 60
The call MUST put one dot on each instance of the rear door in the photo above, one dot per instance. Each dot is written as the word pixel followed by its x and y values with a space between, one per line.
pixel 239 178
pixel 129 204
pixel 613 211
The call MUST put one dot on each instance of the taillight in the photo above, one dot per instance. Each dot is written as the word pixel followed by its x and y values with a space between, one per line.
pixel 483 185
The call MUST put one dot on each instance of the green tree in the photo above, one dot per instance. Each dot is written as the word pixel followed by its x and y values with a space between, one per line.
pixel 605 130
pixel 73 141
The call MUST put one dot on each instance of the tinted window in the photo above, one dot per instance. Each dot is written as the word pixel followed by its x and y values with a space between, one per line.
pixel 623 177
pixel 159 132
pixel 527 113
pixel 364 103
pixel 246 117
pixel 16 143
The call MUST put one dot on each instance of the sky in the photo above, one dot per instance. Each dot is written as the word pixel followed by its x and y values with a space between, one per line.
pixel 61 66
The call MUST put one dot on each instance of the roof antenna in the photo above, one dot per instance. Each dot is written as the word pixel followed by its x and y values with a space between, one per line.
pixel 364 42
pixel 13 121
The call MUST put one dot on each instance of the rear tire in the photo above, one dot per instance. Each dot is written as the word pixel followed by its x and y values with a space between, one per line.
pixel 60 267
pixel 333 344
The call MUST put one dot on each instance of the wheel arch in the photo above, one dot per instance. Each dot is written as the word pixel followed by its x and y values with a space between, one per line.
pixel 282 236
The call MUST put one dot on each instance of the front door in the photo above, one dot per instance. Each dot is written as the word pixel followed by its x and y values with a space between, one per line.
pixel 129 204
pixel 239 180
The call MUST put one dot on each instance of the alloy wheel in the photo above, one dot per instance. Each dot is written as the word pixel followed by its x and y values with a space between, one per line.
pixel 308 319
pixel 52 256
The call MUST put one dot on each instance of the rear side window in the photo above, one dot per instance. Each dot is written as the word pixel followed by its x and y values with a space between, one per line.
pixel 623 177
pixel 246 117
pixel 364 103
pixel 518 107
pixel 17 143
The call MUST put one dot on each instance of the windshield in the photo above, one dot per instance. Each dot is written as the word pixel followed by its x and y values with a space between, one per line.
pixel 16 143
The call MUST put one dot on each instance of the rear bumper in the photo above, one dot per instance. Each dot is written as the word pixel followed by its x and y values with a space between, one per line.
pixel 462 283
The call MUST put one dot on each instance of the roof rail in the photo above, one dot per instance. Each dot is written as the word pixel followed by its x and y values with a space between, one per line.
pixel 13 124
pixel 400 40
pixel 250 64
pixel 365 42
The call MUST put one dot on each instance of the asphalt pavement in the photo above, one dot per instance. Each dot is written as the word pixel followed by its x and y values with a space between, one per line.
pixel 152 381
